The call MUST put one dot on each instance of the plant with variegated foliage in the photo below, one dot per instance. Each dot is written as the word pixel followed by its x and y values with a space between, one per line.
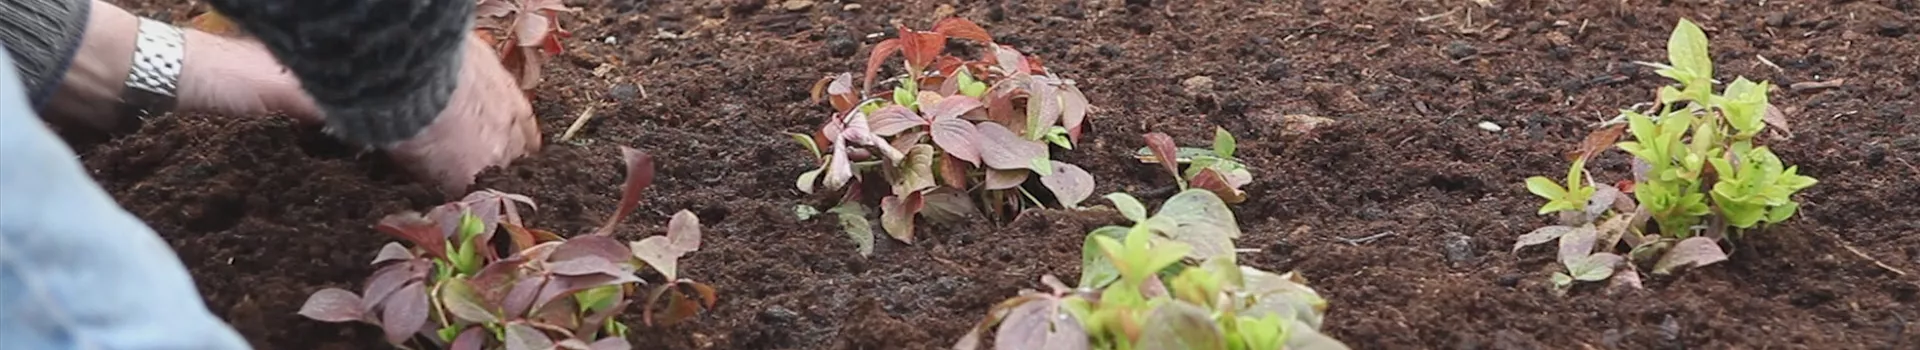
pixel 1169 281
pixel 1213 169
pixel 450 287
pixel 954 138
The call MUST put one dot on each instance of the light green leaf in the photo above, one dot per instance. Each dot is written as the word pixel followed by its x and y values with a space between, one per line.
pixel 1128 206
pixel 916 171
pixel 805 212
pixel 1096 271
pixel 1594 267
pixel 1781 213
pixel 1687 51
pixel 1562 279
pixel 807 141
pixel 1202 220
pixel 853 218
pixel 1223 143
pixel 808 179
pixel 1546 188
pixel 1180 325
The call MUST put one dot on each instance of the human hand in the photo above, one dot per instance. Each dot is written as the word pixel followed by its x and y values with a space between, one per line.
pixel 488 122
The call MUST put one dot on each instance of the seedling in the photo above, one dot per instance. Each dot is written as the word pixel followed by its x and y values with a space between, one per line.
pixel 524 33
pixel 528 33
pixel 448 286
pixel 1210 169
pixel 952 139
pixel 1698 176
pixel 1168 281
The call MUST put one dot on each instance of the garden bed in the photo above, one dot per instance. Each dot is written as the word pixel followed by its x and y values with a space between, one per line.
pixel 265 213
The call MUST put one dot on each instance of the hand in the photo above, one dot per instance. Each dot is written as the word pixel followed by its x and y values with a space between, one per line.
pixel 488 122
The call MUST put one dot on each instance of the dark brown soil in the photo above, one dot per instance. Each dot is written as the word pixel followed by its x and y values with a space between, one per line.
pixel 265 212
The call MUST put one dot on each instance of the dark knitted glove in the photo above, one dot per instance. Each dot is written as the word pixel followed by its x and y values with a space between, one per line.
pixel 380 70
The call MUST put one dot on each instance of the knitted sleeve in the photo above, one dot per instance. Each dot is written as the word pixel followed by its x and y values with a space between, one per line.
pixel 41 36
pixel 380 70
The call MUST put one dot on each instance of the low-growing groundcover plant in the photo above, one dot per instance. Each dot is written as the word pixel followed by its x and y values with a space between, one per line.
pixel 452 288
pixel 1169 281
pixel 1208 169
pixel 1697 176
pixel 953 139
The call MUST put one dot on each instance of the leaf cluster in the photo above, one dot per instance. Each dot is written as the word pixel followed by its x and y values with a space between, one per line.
pixel 525 33
pixel 1697 175
pixel 1210 169
pixel 450 286
pixel 953 139
pixel 1169 281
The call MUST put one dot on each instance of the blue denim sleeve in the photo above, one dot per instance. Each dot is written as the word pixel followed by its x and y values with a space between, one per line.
pixel 76 270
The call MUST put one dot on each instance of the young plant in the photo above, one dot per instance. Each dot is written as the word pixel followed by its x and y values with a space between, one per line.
pixel 453 289
pixel 1697 175
pixel 524 33
pixel 528 33
pixel 1213 170
pixel 1169 281
pixel 952 137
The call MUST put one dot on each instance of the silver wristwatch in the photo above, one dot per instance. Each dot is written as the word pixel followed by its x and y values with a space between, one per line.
pixel 158 54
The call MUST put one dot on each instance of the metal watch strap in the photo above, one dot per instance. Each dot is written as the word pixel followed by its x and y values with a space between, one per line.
pixel 158 53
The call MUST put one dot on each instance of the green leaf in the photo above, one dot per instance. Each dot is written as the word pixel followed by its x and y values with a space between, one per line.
pixel 466 259
pixel 1594 267
pixel 1562 279
pixel 1262 333
pixel 1128 206
pixel 597 298
pixel 1781 213
pixel 1042 166
pixel 969 86
pixel 807 141
pixel 461 299
pixel 853 218
pixel 1223 143
pixel 808 179
pixel 1057 135
pixel 805 212
pixel 1687 52
pixel 1546 188
pixel 1178 325
pixel 916 171
pixel 1096 271
pixel 1202 220
pixel 904 97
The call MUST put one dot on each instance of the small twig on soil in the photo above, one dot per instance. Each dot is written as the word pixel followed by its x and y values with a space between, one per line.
pixel 1367 239
pixel 1769 63
pixel 1817 85
pixel 1863 255
pixel 578 123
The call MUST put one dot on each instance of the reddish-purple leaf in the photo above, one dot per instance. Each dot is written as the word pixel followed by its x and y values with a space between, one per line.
pixel 448 217
pixel 393 251
pixel 839 166
pixel 1004 179
pixel 521 336
pixel 1073 107
pixel 390 278
pixel 521 237
pixel 412 227
pixel 1000 103
pixel 333 305
pixel 471 339
pixel 494 8
pixel 405 312
pixel 1211 180
pixel 708 296
pixel 893 119
pixel 1690 252
pixel 610 343
pixel 962 28
pixel 1010 60
pixel 496 280
pixel 639 176
pixel 952 172
pixel 897 213
pixel 881 51
pixel 466 304
pixel 679 308
pixel 1002 149
pixel 1069 184
pixel 920 47
pixel 1038 324
pixel 524 292
pixel 1163 150
pixel 947 205
pixel 583 265
pixel 606 248
pixel 955 135
pixel 841 93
